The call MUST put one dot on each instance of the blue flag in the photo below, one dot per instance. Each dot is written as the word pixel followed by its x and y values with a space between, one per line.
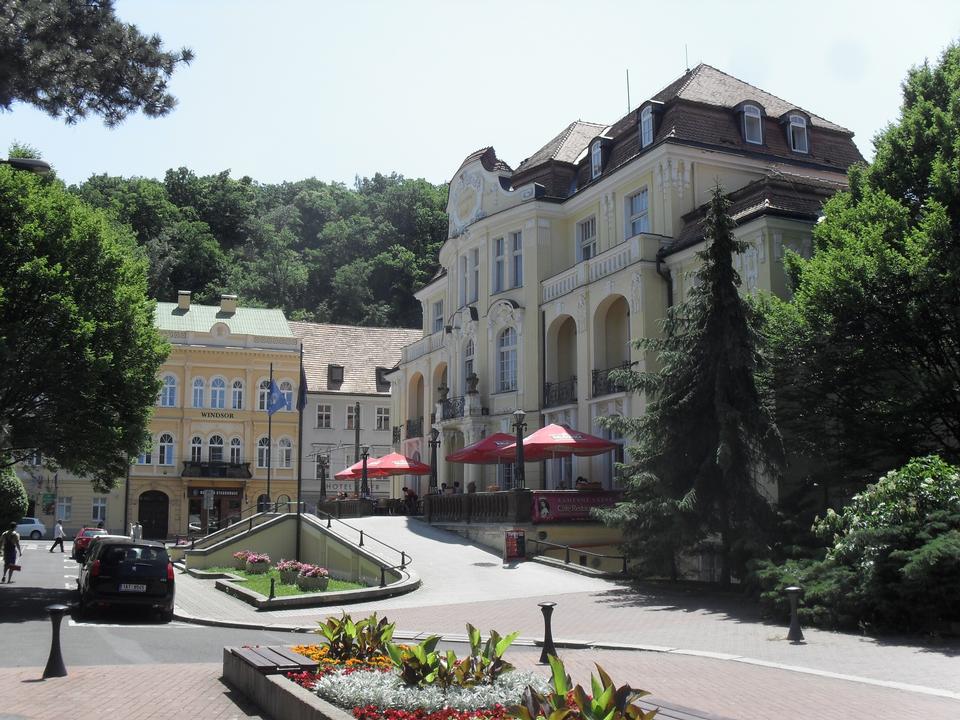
pixel 275 401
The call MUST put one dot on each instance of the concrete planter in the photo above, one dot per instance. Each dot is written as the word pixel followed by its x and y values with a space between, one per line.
pixel 240 563
pixel 257 568
pixel 289 577
pixel 312 583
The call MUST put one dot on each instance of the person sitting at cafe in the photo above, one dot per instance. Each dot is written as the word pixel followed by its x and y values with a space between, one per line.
pixel 581 481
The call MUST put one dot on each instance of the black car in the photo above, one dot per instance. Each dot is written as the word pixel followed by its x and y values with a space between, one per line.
pixel 120 571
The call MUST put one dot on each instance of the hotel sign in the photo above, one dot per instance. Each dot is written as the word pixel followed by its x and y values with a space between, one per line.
pixel 217 415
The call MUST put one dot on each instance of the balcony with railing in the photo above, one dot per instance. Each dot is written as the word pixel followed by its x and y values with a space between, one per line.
pixel 415 428
pixel 603 384
pixel 606 263
pixel 453 407
pixel 216 469
pixel 421 347
pixel 560 393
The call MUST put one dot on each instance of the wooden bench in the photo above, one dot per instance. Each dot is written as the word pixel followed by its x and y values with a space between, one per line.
pixel 273 660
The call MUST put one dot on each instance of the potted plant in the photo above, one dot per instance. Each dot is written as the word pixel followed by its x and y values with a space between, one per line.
pixel 257 563
pixel 240 559
pixel 313 577
pixel 289 569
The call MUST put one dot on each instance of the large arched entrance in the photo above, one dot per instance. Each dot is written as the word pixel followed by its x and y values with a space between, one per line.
pixel 153 511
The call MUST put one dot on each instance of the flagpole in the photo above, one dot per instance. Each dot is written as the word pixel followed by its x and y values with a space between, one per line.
pixel 301 401
pixel 269 437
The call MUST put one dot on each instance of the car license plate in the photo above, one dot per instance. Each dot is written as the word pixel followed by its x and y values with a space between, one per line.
pixel 132 587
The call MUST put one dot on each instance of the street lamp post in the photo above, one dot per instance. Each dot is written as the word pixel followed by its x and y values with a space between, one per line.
pixel 518 472
pixel 434 444
pixel 324 461
pixel 364 485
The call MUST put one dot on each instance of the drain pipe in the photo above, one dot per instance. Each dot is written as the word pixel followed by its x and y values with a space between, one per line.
pixel 668 278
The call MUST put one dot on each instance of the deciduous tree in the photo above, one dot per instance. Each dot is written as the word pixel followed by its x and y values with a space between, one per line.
pixel 79 354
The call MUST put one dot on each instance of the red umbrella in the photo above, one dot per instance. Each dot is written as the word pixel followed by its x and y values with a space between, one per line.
pixel 483 452
pixel 555 441
pixel 396 464
pixel 355 471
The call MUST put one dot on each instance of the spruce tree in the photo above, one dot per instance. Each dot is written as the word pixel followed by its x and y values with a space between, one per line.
pixel 706 444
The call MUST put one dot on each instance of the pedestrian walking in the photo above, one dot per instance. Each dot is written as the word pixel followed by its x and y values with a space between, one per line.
pixel 58 536
pixel 11 547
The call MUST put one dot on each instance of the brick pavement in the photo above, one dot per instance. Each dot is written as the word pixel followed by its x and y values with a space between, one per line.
pixel 731 690
pixel 615 615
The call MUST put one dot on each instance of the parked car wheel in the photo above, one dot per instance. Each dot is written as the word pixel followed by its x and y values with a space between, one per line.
pixel 35 535
pixel 166 616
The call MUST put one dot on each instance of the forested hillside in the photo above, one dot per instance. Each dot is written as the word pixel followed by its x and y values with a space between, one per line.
pixel 323 252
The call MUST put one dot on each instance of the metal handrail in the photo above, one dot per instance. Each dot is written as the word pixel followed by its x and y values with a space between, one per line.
pixel 566 548
pixel 405 559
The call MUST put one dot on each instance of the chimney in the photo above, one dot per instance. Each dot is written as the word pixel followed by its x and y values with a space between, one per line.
pixel 228 303
pixel 183 299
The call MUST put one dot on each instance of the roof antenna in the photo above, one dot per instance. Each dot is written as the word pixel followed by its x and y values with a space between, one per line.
pixel 686 57
pixel 628 90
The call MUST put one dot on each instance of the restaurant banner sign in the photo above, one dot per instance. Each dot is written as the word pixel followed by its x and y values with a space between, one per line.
pixel 563 505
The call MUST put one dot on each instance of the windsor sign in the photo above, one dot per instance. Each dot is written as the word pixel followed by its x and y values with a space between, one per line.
pixel 217 415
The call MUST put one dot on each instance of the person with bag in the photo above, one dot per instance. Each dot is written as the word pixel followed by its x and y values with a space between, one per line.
pixel 11 547
pixel 58 536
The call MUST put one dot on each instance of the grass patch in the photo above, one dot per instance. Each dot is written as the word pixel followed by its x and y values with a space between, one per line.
pixel 261 583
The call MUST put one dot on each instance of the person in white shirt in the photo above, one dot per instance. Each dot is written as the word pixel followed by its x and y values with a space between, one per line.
pixel 58 536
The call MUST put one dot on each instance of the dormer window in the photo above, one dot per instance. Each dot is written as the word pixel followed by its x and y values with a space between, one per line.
pixel 646 126
pixel 383 385
pixel 596 159
pixel 797 133
pixel 334 374
pixel 752 124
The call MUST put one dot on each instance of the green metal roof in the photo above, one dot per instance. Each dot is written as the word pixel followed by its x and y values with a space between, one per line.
pixel 200 318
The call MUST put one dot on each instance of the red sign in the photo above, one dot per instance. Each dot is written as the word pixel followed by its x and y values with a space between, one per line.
pixel 562 505
pixel 514 545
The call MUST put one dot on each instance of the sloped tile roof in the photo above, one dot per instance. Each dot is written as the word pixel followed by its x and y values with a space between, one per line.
pixel 360 350
pixel 200 318
pixel 782 194
pixel 705 84
pixel 565 147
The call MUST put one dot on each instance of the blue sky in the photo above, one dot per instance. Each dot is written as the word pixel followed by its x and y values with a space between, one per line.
pixel 285 90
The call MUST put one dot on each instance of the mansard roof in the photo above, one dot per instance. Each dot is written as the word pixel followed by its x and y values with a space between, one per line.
pixel 784 195
pixel 566 146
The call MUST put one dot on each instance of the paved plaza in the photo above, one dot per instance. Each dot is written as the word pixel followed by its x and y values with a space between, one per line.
pixel 706 652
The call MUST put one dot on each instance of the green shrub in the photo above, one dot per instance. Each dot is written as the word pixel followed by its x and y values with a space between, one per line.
pixel 892 559
pixel 13 498
pixel 361 640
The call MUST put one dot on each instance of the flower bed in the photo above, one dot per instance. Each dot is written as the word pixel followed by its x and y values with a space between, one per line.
pixel 257 563
pixel 361 670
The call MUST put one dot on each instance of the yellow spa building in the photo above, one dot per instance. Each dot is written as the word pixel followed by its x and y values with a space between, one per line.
pixel 212 441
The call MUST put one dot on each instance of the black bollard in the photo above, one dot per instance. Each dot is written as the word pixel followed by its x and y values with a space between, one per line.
pixel 272 593
pixel 796 634
pixel 361 538
pixel 548 648
pixel 383 577
pixel 55 666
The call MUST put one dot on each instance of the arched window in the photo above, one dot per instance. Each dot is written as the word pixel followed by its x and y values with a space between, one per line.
pixel 286 389
pixel 646 126
pixel 236 451
pixel 218 393
pixel 263 395
pixel 468 352
pixel 752 125
pixel 215 449
pixel 286 453
pixel 198 393
pixel 165 449
pixel 797 133
pixel 196 449
pixel 263 452
pixel 168 393
pixel 237 397
pixel 507 360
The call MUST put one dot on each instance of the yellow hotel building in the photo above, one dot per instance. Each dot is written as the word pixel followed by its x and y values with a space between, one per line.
pixel 210 430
